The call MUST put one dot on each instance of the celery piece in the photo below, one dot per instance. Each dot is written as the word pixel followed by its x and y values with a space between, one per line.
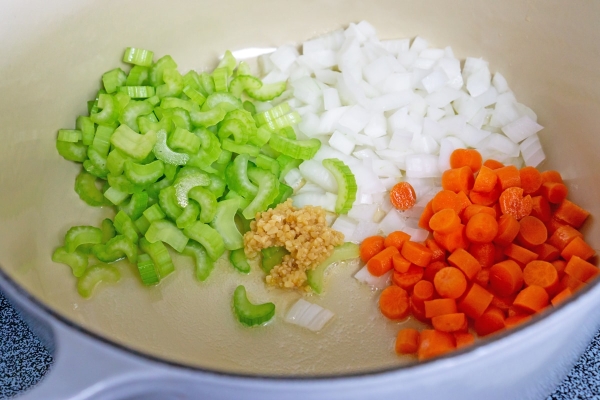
pixel 77 260
pixel 87 128
pixel 242 201
pixel 93 276
pixel 189 215
pixel 226 101
pixel 72 151
pixel 101 141
pixel 268 189
pixel 238 260
pixel 204 265
pixel 210 149
pixel 144 174
pixel 168 202
pixel 220 77
pixel 173 84
pixel 207 83
pixel 243 82
pixel 228 62
pixel 136 205
pixel 115 196
pixel 224 223
pixel 207 118
pixel 108 230
pixel 299 149
pixel 207 202
pixel 180 117
pixel 137 56
pixel 251 314
pixel 154 213
pixel 207 237
pixel 160 256
pixel 267 92
pixel 249 106
pixel 236 176
pixel 272 256
pixel 165 154
pixel 138 76
pixel 85 187
pixel 142 224
pixel 261 137
pixel 147 270
pixel 230 145
pixel 171 171
pixel 284 193
pixel 272 114
pixel 187 179
pixel 269 151
pixel 194 95
pixel 115 249
pixel 138 92
pixel 288 132
pixel 290 119
pixel 166 231
pixel 192 79
pixel 267 163
pixel 217 185
pixel 346 184
pixel 344 252
pixel 121 183
pixel 125 226
pixel 94 170
pixel 243 69
pixel 157 69
pixel 233 127
pixel 133 144
pixel 69 135
pixel 185 140
pixel 174 102
pixel 115 162
pixel 110 110
pixel 113 79
pixel 133 111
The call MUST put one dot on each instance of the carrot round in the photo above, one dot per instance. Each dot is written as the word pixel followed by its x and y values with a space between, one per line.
pixel 484 253
pixel 418 310
pixel 416 253
pixel 409 278
pixel 464 261
pixel 540 273
pixel 400 263
pixel 481 228
pixel 407 341
pixel 559 266
pixel 370 246
pixel 508 177
pixel 563 236
pixel 466 158
pixel 515 320
pixel 571 282
pixel 434 343
pixel 503 303
pixel 437 253
pixel 578 247
pixel 381 262
pixel 551 176
pixel 458 179
pixel 570 213
pixel 486 180
pixel 396 239
pixel 403 196
pixel 436 307
pixel 394 302
pixel 462 202
pixel 444 221
pixel 553 224
pixel 547 252
pixel 531 179
pixel 426 216
pixel 581 269
pixel 520 254
pixel 532 231
pixel 450 283
pixel 445 199
pixel 540 208
pixel 449 322
pixel 513 203
pixel 476 301
pixel 483 277
pixel 492 320
pixel 432 269
pixel 554 192
pixel 562 296
pixel 532 299
pixel 463 339
pixel 508 229
pixel 486 198
pixel 423 291
pixel 506 278
pixel 453 240
pixel 473 209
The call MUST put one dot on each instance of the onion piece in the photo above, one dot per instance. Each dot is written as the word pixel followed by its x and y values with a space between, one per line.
pixel 308 315
pixel 376 282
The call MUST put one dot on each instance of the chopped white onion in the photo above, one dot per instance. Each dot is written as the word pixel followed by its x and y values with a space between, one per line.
pixel 308 315
pixel 376 282
pixel 345 225
pixel 521 129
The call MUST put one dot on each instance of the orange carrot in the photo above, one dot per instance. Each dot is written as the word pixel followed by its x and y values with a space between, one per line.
pixel 426 216
pixel 486 180
pixel 515 320
pixel 418 310
pixel 432 269
pixel 513 203
pixel 481 228
pixel 444 221
pixel 563 236
pixel 547 252
pixel 542 274
pixel 462 201
pixel 570 213
pixel 394 302
pixel 400 263
pixel 476 301
pixel 463 339
pixel 531 179
pixel 445 199
pixel 464 261
pixel 506 278
pixel 433 343
pixel 370 246
pixel 508 177
pixel 409 278
pixel 492 320
pixel 473 209
pixel 570 282
pixel 553 224
pixel 540 208
pixel 458 179
pixel 499 255
pixel 554 192
pixel 532 232
pixel 551 176
pixel 562 296
pixel 503 303
pixel 381 262
pixel 484 253
pixel 450 283
pixel 416 253
pixel 396 239
pixel 508 229
pixel 466 158
pixel 449 322
pixel 403 196
pixel 437 253
pixel 436 307
pixel 407 341
pixel 520 254
pixel 422 291
pixel 483 277
pixel 578 247
pixel 486 198
pixel 560 266
pixel 453 240
pixel 581 269
pixel 532 299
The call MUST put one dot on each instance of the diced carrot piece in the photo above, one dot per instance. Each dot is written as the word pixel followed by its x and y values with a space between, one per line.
pixel 560 266
pixel 486 198
pixel 426 216
pixel 520 254
pixel 547 252
pixel 486 180
pixel 508 177
pixel 515 320
pixel 400 263
pixel 540 208
pixel 466 158
pixel 484 253
pixel 464 261
pixel 463 339
pixel 476 301
pixel 403 196
pixel 433 343
pixel 449 322
pixel 445 199
pixel 453 240
pixel 578 247
pixel 394 302
pixel 570 282
pixel 570 213
pixel 418 310
pixel 492 320
pixel 444 221
pixel 437 253
pixel 416 253
pixel 436 307
pixel 508 229
pixel 581 269
pixel 532 299
pixel 531 179
pixel 423 291
pixel 381 262
pixel 370 246
pixel 458 179
pixel 481 228
pixel 409 278
pixel 554 192
pixel 407 341
pixel 493 164
pixel 551 176
pixel 532 232
pixel 462 201
pixel 506 278
pixel 513 203
pixel 433 269
pixel 450 283
pixel 483 277
pixel 396 239
pixel 553 225
pixel 563 236
pixel 541 273
pixel 477 209
pixel 562 296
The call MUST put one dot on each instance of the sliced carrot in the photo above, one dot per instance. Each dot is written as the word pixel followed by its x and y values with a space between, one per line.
pixel 520 254
pixel 370 246
pixel 562 296
pixel 484 253
pixel 547 252
pixel 515 320
pixel 554 192
pixel 463 339
pixel 508 177
pixel 551 176
pixel 499 255
pixel 578 247
pixel 481 228
pixel 396 239
pixel 466 158
pixel 437 253
pixel 400 263
pixel 486 198
pixel 433 343
pixel 560 266
pixel 436 307
pixel 503 303
pixel 461 259
pixel 571 282
pixel 483 277
pixel 450 283
pixel 453 240
pixel 381 262
pixel 581 269
pixel 416 253
pixel 531 179
pixel 570 213
pixel 563 236
pixel 409 278
pixel 542 274
pixel 493 164
pixel 506 278
pixel 476 301
pixel 449 322
pixel 473 209
pixel 444 221
pixel 394 302
pixel 423 291
pixel 432 269
pixel 426 216
pixel 403 196
pixel 492 320
pixel 540 208
pixel 532 299
pixel 462 201
pixel 553 225
pixel 532 232
pixel 407 341
pixel 486 180
pixel 418 310
pixel 513 203
pixel 508 229
pixel 445 199
pixel 458 179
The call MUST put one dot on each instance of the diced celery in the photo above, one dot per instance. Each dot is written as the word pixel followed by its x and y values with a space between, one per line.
pixel 93 276
pixel 251 314
pixel 239 261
